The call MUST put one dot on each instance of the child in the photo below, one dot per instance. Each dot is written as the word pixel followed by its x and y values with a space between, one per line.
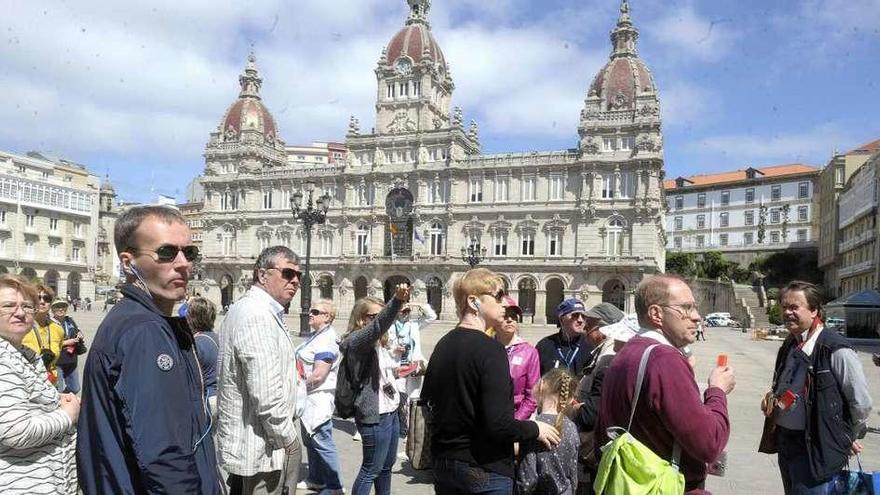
pixel 552 472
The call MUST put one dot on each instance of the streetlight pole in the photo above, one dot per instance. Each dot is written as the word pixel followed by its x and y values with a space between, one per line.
pixel 312 214
pixel 472 256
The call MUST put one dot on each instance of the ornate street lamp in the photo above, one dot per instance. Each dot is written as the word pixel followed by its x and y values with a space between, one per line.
pixel 310 215
pixel 472 256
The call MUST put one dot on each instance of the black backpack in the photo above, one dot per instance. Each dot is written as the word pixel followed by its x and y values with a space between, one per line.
pixel 347 389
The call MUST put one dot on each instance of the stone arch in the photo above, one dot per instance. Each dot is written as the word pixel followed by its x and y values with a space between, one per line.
pixel 73 284
pixel 399 232
pixel 526 287
pixel 391 282
pixel 226 291
pixel 555 293
pixel 325 286
pixel 50 279
pixel 361 287
pixel 614 292
pixel 434 290
pixel 28 273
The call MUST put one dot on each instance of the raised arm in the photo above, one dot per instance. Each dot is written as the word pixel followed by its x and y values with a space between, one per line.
pixel 365 339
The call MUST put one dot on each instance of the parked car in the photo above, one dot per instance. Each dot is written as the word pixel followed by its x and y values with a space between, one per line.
pixel 717 321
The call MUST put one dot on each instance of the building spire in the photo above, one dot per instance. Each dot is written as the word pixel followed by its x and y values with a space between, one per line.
pixel 624 36
pixel 418 11
pixel 250 80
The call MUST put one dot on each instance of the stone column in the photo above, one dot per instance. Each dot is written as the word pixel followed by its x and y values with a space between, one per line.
pixel 541 306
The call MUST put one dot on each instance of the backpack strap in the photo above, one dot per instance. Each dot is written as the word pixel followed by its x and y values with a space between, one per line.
pixel 640 378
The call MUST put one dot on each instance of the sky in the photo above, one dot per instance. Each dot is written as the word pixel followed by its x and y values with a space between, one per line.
pixel 133 89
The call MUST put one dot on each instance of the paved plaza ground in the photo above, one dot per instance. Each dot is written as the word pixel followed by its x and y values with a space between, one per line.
pixel 747 471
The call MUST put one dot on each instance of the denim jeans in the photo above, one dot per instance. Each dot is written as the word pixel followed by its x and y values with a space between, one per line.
pixel 323 457
pixel 379 443
pixel 453 477
pixel 795 465
pixel 71 381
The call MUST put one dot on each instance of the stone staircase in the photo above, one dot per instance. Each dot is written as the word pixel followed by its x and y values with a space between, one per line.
pixel 748 301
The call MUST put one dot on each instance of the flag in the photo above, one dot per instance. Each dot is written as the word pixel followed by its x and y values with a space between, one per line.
pixel 419 236
pixel 393 228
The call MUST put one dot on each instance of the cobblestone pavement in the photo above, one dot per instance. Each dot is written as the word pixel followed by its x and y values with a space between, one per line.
pixel 747 470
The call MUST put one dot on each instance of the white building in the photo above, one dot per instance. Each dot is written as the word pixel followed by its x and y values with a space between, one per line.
pixel 742 213
pixel 408 196
pixel 858 252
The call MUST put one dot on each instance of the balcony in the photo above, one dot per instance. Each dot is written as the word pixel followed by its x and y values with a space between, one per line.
pixel 864 237
pixel 856 269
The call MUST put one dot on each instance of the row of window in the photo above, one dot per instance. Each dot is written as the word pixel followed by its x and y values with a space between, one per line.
pixel 748 239
pixel 775 195
pixel 803 215
pixel 403 89
pixel 56 249
pixel 30 222
pixel 44 194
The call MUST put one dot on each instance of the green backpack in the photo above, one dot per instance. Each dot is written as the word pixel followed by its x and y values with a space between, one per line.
pixel 628 467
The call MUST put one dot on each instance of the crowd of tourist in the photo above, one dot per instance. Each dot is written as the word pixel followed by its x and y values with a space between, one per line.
pixel 169 405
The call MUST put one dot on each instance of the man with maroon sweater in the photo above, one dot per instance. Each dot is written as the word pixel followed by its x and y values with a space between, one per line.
pixel 670 408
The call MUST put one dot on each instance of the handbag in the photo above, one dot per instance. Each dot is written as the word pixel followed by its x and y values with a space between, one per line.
pixel 629 467
pixel 418 436
pixel 849 482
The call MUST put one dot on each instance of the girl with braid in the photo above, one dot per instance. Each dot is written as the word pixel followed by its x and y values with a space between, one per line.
pixel 544 471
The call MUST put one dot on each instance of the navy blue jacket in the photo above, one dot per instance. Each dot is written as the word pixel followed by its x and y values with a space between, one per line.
pixel 143 407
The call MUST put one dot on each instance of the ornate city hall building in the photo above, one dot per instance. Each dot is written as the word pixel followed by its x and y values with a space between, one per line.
pixel 411 193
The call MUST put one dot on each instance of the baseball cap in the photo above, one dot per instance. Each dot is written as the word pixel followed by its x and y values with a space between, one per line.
pixel 623 330
pixel 570 305
pixel 606 313
pixel 510 303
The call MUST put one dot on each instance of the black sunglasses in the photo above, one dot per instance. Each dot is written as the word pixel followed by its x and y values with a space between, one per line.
pixel 46 298
pixel 316 312
pixel 167 253
pixel 288 274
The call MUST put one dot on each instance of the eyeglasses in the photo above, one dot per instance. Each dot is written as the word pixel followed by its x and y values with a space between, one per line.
pixel 498 296
pixel 167 253
pixel 317 312
pixel 511 315
pixel 10 308
pixel 288 274
pixel 577 316
pixel 683 309
pixel 46 298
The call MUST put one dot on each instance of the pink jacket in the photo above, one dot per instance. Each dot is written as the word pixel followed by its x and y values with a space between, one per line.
pixel 525 371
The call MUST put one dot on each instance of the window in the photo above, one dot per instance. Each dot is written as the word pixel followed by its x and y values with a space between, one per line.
pixel 475 187
pixel 803 190
pixel 803 213
pixel 264 241
pixel 502 189
pixel 775 193
pixel 437 240
pixel 54 251
pixel 615 238
pixel 2 245
pixel 750 195
pixel 228 241
pixel 802 235
pixel 749 217
pixel 627 143
pixel 676 242
pixel 679 202
pixel 229 201
pixel 2 217
pixel 722 239
pixel 362 240
pixel 53 224
pixel 327 244
pixel 701 241
pixel 267 200
pixel 609 144
pixel 435 192
pixel 774 237
pixel 701 221
pixel 701 200
pixel 528 189
pixel 556 187
pixel 725 198
pixel 29 248
pixel 363 194
pixel 554 244
pixel 608 186
pixel 28 220
pixel 724 218
pixel 499 241
pixel 678 223
pixel 774 216
pixel 528 244
pixel 748 238
pixel 78 229
pixel 838 176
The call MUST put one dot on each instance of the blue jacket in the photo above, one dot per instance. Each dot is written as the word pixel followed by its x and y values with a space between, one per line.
pixel 143 423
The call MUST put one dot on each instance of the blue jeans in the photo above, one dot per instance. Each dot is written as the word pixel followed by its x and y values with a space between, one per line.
pixel 379 443
pixel 453 477
pixel 795 465
pixel 71 382
pixel 323 458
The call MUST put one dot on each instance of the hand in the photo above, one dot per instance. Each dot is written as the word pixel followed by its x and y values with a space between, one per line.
pixel 547 434
pixel 401 292
pixel 293 448
pixel 575 405
pixel 723 378
pixel 856 448
pixel 69 403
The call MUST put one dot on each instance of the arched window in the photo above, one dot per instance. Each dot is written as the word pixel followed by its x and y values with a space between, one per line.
pixel 438 239
pixel 228 241
pixel 362 240
pixel 360 287
pixel 614 246
pixel 613 292
pixel 526 288
pixel 435 294
pixel 325 285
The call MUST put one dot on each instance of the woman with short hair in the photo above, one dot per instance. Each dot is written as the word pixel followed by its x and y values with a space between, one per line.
pixel 200 316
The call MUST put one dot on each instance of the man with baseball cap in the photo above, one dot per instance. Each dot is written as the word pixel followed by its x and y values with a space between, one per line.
pixel 567 348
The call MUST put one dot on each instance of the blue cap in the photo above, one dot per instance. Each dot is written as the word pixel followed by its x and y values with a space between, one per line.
pixel 570 305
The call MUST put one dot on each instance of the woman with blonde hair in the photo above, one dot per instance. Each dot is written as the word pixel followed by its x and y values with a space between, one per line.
pixel 46 337
pixel 37 432
pixel 372 369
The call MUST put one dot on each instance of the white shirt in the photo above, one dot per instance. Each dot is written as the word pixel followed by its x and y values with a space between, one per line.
pixel 387 363
pixel 320 400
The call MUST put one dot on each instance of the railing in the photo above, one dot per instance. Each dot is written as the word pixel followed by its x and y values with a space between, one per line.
pixel 858 240
pixel 857 268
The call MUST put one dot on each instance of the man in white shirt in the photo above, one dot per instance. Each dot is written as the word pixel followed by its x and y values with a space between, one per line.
pixel 259 394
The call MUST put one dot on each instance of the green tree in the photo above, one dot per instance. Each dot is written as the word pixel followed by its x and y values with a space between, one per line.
pixel 714 265
pixel 684 264
pixel 774 314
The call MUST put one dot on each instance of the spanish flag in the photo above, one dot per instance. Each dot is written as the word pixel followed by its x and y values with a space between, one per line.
pixel 393 228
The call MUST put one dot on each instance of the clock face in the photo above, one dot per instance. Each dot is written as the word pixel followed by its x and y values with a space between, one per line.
pixel 404 66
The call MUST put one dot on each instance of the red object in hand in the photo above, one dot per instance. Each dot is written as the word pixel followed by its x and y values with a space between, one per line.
pixel 406 370
pixel 786 400
pixel 722 360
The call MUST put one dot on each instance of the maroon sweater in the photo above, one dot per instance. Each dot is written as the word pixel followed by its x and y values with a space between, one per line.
pixel 669 408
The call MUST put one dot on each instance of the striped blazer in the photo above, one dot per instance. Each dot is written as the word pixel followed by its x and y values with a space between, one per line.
pixel 37 438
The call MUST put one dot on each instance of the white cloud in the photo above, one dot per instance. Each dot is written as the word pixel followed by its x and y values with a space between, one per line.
pixel 691 35
pixel 687 105
pixel 812 146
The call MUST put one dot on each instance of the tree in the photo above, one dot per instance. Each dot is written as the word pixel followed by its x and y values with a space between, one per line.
pixel 714 265
pixel 683 264
pixel 774 314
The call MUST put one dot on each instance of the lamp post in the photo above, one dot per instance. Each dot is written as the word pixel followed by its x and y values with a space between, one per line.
pixel 312 214
pixel 472 255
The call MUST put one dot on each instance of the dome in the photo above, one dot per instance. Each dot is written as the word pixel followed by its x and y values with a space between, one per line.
pixel 415 41
pixel 621 81
pixel 248 113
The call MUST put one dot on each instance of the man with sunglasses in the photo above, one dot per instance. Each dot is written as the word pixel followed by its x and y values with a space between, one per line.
pixel 260 396
pixel 569 347
pixel 670 411
pixel 144 425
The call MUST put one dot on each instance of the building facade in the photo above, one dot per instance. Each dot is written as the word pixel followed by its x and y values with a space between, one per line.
pixel 408 196
pixel 858 255
pixel 53 224
pixel 743 213
pixel 830 183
